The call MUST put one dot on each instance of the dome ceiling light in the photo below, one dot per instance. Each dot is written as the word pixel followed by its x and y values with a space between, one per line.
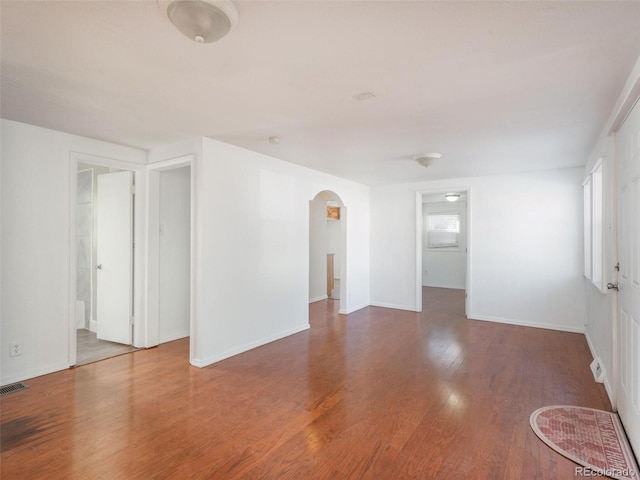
pixel 203 21
pixel 426 159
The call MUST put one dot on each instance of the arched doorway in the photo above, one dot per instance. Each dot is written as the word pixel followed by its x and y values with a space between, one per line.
pixel 327 248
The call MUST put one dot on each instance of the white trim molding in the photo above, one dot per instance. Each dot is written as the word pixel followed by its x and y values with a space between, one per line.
pixel 354 309
pixel 38 372
pixel 249 346
pixel 317 299
pixel 523 323
pixel 418 243
pixel 607 378
pixel 394 306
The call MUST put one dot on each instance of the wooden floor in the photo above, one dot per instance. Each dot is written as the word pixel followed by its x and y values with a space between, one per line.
pixel 90 349
pixel 380 394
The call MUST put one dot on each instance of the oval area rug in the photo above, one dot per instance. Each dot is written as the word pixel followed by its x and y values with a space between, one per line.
pixel 592 438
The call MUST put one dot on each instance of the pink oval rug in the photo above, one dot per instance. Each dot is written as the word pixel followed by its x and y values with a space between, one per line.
pixel 592 438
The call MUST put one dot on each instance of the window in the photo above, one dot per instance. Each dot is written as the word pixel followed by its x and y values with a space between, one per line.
pixel 443 230
pixel 587 227
pixel 593 226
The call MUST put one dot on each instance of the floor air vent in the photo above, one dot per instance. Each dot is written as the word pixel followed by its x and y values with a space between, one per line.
pixel 14 387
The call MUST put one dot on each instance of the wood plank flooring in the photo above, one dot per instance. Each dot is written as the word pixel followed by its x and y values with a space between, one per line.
pixel 379 394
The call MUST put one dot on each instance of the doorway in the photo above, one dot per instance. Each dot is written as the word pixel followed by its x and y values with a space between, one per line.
pixel 327 241
pixel 443 241
pixel 170 251
pixel 174 253
pixel 103 267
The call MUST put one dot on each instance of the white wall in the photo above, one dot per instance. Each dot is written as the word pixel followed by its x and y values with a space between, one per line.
pixel 251 280
pixel 445 267
pixel 525 247
pixel 174 253
pixel 252 248
pixel 36 240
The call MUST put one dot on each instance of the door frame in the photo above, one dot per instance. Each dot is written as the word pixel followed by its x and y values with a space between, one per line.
pixel 419 232
pixel 152 237
pixel 343 307
pixel 140 326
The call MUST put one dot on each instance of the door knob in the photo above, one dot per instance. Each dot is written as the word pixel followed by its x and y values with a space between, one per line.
pixel 99 266
pixel 613 286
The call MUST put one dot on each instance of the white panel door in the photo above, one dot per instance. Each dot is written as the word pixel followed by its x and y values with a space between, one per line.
pixel 114 207
pixel 628 174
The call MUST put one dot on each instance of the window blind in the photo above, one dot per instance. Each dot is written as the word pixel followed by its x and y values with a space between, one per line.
pixel 443 230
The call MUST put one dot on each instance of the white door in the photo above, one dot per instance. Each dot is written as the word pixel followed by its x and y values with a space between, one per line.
pixel 114 217
pixel 628 174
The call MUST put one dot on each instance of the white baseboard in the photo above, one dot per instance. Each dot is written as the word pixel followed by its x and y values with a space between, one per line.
pixel 521 323
pixel 173 336
pixel 317 299
pixel 393 306
pixel 353 309
pixel 33 373
pixel 450 287
pixel 610 392
pixel 249 346
pixel 591 348
pixel 607 379
pixel 93 326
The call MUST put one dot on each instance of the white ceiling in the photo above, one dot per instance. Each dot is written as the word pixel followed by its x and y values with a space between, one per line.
pixel 495 86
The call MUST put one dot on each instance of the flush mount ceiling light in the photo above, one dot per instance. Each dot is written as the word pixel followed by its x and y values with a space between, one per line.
pixel 426 159
pixel 203 21
pixel 452 197
pixel 361 97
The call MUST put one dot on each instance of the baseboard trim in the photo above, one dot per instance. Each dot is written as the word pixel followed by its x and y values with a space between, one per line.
pixel 33 374
pixel 393 306
pixel 249 346
pixel 521 323
pixel 175 336
pixel 93 326
pixel 354 309
pixel 606 381
pixel 317 299
pixel 610 392
pixel 449 287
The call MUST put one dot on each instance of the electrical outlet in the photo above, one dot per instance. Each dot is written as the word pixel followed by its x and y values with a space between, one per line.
pixel 15 349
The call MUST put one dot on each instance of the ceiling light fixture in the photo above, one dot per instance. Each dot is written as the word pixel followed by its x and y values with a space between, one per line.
pixel 426 159
pixel 203 21
pixel 452 197
pixel 361 97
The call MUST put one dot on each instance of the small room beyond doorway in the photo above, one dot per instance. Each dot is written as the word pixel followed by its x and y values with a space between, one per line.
pixel 327 217
pixel 174 253
pixel 444 240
